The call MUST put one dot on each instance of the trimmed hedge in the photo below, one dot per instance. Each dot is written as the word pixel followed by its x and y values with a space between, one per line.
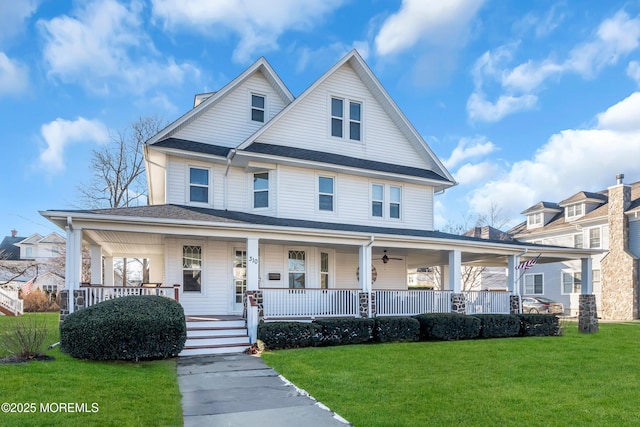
pixel 348 330
pixel 498 325
pixel 539 325
pixel 388 329
pixel 128 328
pixel 448 326
pixel 282 335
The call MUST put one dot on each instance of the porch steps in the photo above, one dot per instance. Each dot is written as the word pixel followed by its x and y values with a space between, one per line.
pixel 215 335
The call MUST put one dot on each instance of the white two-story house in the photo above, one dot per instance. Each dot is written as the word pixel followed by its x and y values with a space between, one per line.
pixel 607 220
pixel 312 206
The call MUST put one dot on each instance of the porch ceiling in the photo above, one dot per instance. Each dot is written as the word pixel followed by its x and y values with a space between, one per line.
pixel 118 243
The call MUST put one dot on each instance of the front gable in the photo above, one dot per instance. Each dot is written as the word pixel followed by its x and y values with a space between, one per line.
pixel 384 134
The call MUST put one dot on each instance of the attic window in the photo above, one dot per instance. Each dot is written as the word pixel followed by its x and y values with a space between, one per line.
pixel 343 125
pixel 574 210
pixel 257 108
pixel 535 219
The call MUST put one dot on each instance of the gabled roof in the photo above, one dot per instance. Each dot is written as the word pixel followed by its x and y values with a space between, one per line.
pixel 380 94
pixel 8 248
pixel 584 196
pixel 542 206
pixel 193 146
pixel 261 65
pixel 31 240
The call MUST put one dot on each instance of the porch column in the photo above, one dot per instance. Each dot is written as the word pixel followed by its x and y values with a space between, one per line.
pixel 445 284
pixel 108 271
pixel 587 309
pixel 455 271
pixel 73 269
pixel 253 263
pixel 96 265
pixel 364 268
pixel 512 263
pixel 156 269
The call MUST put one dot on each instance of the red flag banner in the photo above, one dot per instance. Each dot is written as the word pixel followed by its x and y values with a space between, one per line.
pixel 525 265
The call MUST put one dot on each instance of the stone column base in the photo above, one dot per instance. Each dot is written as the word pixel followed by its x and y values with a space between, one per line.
pixel 588 314
pixel 78 302
pixel 458 303
pixel 364 304
pixel 514 304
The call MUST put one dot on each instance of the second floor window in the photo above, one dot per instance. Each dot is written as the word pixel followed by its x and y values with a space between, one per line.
pixel 394 202
pixel 577 241
pixel 325 193
pixel 257 108
pixel 261 190
pixel 377 200
pixel 199 185
pixel 574 210
pixel 594 238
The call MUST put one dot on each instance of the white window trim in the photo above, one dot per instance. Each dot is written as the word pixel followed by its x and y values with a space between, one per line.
pixel 307 269
pixel 575 236
pixel 346 118
pixel 251 107
pixel 524 284
pixel 599 238
pixel 531 223
pixel 386 202
pixel 252 191
pixel 573 276
pixel 333 212
pixel 209 186
pixel 574 215
pixel 201 244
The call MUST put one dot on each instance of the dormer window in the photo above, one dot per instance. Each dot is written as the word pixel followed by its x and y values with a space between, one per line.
pixel 343 126
pixel 534 219
pixel 573 211
pixel 257 108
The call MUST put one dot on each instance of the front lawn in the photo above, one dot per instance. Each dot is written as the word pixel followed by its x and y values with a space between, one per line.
pixel 575 379
pixel 124 393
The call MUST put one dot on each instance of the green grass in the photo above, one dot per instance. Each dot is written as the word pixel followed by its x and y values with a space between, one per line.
pixel 572 380
pixel 126 394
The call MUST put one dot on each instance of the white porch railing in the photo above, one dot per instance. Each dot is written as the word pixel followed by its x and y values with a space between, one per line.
pixel 9 300
pixel 412 302
pixel 487 302
pixel 95 293
pixel 291 303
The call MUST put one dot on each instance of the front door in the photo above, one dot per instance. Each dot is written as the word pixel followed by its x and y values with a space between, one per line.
pixel 239 278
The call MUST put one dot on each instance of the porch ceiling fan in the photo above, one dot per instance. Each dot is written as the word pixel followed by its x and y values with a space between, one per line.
pixel 385 258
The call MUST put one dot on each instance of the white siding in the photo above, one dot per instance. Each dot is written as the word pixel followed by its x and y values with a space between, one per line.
pixel 178 177
pixel 228 123
pixel 307 125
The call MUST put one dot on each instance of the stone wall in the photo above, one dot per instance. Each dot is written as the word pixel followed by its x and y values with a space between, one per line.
pixel 364 304
pixel 458 303
pixel 78 302
pixel 588 314
pixel 514 304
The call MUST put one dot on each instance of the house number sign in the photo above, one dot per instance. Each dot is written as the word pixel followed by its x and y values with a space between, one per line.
pixel 253 260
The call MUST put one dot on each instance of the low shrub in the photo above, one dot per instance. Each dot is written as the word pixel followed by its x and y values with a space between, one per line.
pixel 498 325
pixel 24 338
pixel 388 329
pixel 127 328
pixel 348 330
pixel 539 325
pixel 448 326
pixel 282 335
pixel 39 301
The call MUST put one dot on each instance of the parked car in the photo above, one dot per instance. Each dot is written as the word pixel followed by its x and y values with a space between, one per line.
pixel 541 305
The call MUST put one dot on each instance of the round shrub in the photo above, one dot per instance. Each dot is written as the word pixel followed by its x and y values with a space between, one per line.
pixel 127 328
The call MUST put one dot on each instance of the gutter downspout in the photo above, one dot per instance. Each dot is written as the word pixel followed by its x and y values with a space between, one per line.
pixel 230 157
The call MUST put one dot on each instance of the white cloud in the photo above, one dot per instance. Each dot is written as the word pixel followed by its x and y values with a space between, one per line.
pixel 418 20
pixel 633 71
pixel 13 76
pixel 13 13
pixel 60 133
pixel 479 109
pixel 104 47
pixel 475 173
pixel 257 23
pixel 570 161
pixel 615 38
pixel 469 148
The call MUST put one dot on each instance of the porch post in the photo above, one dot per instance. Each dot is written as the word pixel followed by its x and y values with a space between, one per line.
pixel 253 279
pixel 73 269
pixel 96 265
pixel 455 273
pixel 512 263
pixel 108 271
pixel 364 268
pixel 156 268
pixel 587 311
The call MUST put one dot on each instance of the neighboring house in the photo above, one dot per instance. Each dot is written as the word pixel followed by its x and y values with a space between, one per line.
pixel 607 220
pixel 9 251
pixel 38 248
pixel 487 278
pixel 267 206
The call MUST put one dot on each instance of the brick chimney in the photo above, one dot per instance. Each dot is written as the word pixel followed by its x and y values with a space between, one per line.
pixel 619 269
pixel 14 232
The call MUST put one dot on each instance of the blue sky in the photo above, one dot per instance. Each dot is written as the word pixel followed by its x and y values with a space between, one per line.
pixel 523 101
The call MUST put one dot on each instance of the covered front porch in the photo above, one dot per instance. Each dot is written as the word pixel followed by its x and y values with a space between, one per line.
pixel 214 264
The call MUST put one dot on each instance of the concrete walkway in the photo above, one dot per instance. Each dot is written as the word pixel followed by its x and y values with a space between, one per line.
pixel 240 390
